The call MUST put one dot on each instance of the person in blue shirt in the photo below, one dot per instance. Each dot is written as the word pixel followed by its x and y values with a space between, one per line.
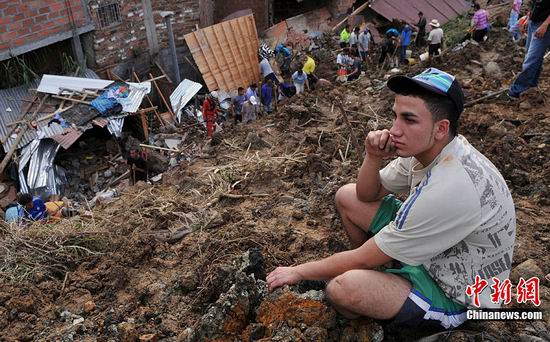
pixel 252 91
pixel 238 105
pixel 17 211
pixel 267 96
pixel 38 210
pixel 282 50
pixel 405 41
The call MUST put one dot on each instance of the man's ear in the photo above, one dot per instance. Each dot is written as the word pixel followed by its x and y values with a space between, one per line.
pixel 442 129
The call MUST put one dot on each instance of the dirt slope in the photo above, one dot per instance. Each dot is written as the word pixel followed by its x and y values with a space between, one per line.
pixel 252 203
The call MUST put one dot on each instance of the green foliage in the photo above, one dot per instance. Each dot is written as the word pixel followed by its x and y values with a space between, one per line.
pixel 456 29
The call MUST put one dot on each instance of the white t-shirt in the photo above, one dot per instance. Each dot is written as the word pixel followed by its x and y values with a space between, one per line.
pixel 265 67
pixel 459 220
pixel 436 36
pixel 344 59
pixel 353 38
pixel 364 41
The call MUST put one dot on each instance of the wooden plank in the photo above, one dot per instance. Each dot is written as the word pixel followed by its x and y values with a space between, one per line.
pixel 242 76
pixel 226 53
pixel 242 53
pixel 230 63
pixel 246 51
pixel 220 71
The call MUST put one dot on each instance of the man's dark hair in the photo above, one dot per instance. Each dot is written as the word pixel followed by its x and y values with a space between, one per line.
pixel 421 13
pixel 300 71
pixel 253 85
pixel 24 199
pixel 440 106
pixel 357 29
pixel 240 89
pixel 477 6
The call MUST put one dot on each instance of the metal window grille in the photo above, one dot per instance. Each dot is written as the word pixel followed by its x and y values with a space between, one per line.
pixel 109 14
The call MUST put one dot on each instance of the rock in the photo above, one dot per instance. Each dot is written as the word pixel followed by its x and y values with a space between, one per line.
pixel 298 215
pixel 316 334
pixel 89 306
pixel 148 338
pixel 526 269
pixel 255 142
pixel 108 174
pixel 188 282
pixel 228 317
pixel 173 162
pixel 127 332
pixel 492 69
pixel 525 105
pixel 530 338
pixel 78 320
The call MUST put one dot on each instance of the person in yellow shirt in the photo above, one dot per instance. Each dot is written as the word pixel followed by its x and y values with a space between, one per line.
pixel 345 35
pixel 308 69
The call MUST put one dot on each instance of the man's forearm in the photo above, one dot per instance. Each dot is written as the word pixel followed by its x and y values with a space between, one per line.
pixel 330 267
pixel 368 181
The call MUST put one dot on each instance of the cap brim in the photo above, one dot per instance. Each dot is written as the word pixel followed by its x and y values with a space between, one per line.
pixel 399 84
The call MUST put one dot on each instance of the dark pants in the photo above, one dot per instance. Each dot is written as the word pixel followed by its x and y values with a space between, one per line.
pixel 433 49
pixel 479 34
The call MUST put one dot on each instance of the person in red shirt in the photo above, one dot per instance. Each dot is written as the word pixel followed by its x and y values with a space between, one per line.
pixel 209 112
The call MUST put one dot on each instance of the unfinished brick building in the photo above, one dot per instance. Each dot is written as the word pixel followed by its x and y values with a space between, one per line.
pixel 118 33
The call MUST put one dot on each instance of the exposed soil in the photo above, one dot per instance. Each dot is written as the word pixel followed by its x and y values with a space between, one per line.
pixel 185 259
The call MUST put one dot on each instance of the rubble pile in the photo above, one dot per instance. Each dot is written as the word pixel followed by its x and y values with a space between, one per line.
pixel 187 256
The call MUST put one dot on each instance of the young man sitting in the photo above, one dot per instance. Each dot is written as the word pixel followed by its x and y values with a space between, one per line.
pixel 458 222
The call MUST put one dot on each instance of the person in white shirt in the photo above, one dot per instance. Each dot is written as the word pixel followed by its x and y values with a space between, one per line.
pixel 363 44
pixel 435 39
pixel 457 226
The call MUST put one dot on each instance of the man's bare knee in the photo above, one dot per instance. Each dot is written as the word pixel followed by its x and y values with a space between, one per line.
pixel 344 195
pixel 340 290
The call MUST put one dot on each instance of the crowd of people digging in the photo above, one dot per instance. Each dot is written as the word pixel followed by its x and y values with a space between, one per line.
pixel 425 291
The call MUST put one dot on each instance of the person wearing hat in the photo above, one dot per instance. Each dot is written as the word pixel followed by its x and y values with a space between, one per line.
pixel 435 39
pixel 250 109
pixel 456 227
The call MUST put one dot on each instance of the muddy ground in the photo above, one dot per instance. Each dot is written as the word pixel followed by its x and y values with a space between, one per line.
pixel 185 260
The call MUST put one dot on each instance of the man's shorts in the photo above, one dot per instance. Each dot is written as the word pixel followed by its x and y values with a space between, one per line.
pixel 427 305
pixel 433 49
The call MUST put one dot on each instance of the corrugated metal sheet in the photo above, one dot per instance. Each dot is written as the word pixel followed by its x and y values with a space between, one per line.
pixel 226 53
pixel 68 137
pixel 407 10
pixel 52 84
pixel 10 107
pixel 183 94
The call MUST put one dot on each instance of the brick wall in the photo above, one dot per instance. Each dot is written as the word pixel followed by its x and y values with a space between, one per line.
pixel 27 21
pixel 339 8
pixel 120 42
pixel 223 8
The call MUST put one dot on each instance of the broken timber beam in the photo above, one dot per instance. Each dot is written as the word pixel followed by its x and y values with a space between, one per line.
pixel 353 137
pixel 469 103
pixel 359 9
pixel 162 95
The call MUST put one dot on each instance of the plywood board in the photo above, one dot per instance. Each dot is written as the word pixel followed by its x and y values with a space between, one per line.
pixel 226 53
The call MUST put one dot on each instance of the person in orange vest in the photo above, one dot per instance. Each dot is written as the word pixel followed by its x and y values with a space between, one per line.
pixel 209 113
